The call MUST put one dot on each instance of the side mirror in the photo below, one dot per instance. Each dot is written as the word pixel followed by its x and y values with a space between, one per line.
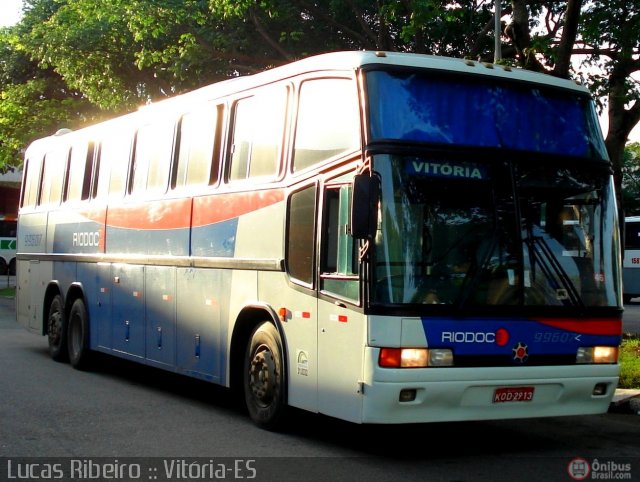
pixel 365 196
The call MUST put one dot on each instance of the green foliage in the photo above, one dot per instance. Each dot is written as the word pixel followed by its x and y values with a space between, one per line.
pixel 631 179
pixel 630 363
pixel 8 292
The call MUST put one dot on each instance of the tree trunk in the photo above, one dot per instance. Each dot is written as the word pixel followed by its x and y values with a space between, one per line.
pixel 569 32
pixel 621 122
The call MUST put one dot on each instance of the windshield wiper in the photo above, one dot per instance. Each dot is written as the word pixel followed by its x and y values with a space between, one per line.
pixel 472 278
pixel 552 269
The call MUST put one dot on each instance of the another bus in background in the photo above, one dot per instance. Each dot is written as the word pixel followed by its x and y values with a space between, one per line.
pixel 8 226
pixel 631 263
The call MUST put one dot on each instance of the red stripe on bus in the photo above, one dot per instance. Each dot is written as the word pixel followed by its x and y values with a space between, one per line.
pixel 215 209
pixel 169 214
pixel 596 326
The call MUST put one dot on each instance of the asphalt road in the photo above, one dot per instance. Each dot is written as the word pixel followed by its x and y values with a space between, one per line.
pixel 631 317
pixel 133 415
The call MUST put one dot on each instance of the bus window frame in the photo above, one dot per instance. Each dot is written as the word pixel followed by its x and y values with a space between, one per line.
pixel 355 84
pixel 216 168
pixel 283 153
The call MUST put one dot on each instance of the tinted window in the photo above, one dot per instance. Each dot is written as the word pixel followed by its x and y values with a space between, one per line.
pixel 300 234
pixel 258 133
pixel 152 158
pixel 328 121
pixel 198 151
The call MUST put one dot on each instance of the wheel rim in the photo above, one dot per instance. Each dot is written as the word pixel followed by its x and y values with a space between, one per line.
pixel 263 376
pixel 55 328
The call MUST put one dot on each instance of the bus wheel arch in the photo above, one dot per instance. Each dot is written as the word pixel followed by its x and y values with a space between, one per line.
pixel 258 367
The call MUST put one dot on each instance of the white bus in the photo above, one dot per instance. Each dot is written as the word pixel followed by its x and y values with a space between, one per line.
pixel 374 236
pixel 631 262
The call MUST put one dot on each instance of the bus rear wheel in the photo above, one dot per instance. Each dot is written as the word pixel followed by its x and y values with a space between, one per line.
pixel 57 330
pixel 78 336
pixel 264 377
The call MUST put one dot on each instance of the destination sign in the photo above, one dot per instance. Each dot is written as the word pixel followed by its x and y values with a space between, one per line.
pixel 457 170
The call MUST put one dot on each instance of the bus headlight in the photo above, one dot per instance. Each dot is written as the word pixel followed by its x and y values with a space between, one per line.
pixel 597 354
pixel 415 357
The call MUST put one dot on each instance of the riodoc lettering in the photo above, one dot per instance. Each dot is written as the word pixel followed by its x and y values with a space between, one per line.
pixel 86 239
pixel 468 337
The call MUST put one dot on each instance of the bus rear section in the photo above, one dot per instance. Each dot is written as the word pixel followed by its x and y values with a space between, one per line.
pixel 631 261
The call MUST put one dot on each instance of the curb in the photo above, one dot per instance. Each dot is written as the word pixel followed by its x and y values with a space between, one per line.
pixel 625 401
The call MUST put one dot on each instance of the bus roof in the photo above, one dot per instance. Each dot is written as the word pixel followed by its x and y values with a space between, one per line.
pixel 353 60
pixel 343 61
pixel 357 59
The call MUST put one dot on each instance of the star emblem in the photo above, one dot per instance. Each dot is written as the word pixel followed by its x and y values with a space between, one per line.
pixel 520 352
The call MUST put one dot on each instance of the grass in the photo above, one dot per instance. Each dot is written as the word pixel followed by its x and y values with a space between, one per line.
pixel 630 362
pixel 8 292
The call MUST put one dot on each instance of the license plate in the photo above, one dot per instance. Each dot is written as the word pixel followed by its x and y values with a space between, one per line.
pixel 513 394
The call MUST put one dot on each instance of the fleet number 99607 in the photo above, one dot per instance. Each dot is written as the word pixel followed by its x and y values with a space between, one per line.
pixel 513 394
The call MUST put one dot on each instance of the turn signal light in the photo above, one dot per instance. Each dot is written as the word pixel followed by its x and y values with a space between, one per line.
pixel 415 357
pixel 597 354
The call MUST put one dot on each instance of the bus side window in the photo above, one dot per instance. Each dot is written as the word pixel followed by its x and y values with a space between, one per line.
pixel 258 134
pixel 632 235
pixel 52 176
pixel 328 121
pixel 100 177
pixel 339 268
pixel 114 160
pixel 31 182
pixel 152 157
pixel 198 159
pixel 79 172
pixel 301 234
pixel 8 229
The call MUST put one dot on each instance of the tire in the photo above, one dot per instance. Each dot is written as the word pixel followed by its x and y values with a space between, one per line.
pixel 12 267
pixel 264 378
pixel 57 330
pixel 3 266
pixel 78 336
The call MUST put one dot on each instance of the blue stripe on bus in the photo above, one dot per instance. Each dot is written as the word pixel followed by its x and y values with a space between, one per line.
pixel 499 337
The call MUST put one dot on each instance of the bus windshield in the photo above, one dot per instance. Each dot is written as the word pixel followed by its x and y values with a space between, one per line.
pixel 413 106
pixel 461 233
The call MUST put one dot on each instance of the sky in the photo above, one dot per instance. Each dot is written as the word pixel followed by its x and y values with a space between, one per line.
pixel 11 10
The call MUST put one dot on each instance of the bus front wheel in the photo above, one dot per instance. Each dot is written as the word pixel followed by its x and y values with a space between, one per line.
pixel 78 335
pixel 57 330
pixel 264 377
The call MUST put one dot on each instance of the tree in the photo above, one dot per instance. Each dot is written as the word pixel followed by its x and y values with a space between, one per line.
pixel 607 34
pixel 610 37
pixel 34 102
